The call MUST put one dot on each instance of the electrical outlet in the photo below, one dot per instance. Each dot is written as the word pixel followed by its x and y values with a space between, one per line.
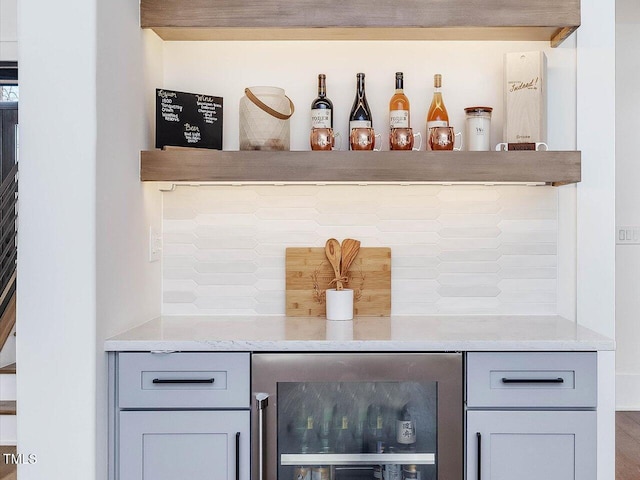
pixel 628 235
pixel 155 245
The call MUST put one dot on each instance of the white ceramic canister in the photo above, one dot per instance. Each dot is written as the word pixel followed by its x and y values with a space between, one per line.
pixel 339 304
pixel 264 119
pixel 478 129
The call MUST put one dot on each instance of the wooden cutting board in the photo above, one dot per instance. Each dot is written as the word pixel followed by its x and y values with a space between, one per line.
pixel 309 273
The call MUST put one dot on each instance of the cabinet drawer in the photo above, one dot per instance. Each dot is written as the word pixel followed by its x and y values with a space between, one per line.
pixel 541 379
pixel 183 380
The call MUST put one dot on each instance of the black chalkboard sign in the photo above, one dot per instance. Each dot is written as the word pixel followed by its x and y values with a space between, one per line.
pixel 188 120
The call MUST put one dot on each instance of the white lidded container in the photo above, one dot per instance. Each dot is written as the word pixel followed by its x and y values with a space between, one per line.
pixel 478 129
pixel 264 119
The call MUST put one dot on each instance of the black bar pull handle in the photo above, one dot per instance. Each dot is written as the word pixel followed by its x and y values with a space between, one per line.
pixel 183 380
pixel 479 436
pixel 532 380
pixel 237 455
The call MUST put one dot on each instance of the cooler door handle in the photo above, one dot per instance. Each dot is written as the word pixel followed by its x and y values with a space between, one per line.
pixel 262 401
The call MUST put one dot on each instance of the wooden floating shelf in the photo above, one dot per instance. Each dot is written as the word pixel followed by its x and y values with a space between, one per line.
pixel 538 20
pixel 214 166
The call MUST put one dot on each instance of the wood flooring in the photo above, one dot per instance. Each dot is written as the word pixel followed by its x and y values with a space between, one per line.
pixel 7 471
pixel 627 445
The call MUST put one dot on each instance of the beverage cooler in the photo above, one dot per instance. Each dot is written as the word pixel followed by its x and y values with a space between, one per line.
pixel 357 416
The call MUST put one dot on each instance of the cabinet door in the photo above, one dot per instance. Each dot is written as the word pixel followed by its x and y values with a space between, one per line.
pixel 194 445
pixel 533 445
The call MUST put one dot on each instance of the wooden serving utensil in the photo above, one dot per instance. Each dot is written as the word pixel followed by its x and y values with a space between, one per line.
pixel 350 249
pixel 334 253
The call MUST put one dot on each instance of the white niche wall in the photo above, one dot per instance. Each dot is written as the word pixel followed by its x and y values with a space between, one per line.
pixel 455 249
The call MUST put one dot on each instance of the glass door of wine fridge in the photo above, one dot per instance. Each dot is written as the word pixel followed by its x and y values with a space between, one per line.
pixel 323 416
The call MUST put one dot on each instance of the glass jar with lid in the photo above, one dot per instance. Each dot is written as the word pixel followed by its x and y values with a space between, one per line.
pixel 478 128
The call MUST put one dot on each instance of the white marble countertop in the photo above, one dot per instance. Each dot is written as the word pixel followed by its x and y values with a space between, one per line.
pixel 398 333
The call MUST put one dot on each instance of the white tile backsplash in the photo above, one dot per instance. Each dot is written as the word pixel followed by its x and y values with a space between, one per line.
pixel 455 249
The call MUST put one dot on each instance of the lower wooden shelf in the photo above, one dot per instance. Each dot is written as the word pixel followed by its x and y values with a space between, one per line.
pixel 227 167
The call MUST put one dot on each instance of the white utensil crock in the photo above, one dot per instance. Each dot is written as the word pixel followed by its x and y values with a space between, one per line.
pixel 339 304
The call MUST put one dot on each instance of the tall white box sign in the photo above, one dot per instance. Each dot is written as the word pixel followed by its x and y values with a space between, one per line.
pixel 525 92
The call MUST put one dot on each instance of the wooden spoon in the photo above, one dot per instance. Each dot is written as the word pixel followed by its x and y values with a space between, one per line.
pixel 350 249
pixel 333 251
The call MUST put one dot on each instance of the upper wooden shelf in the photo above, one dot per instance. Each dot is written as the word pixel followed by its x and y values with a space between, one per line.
pixel 552 20
pixel 214 166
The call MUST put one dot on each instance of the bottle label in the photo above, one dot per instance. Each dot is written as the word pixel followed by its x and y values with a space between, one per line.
pixel 359 124
pixel 321 118
pixel 405 432
pixel 345 422
pixel 309 423
pixel 399 118
pixel 391 472
pixel 437 123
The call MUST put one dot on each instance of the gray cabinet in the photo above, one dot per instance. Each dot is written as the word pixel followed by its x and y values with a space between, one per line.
pixel 194 445
pixel 531 416
pixel 531 445
pixel 182 416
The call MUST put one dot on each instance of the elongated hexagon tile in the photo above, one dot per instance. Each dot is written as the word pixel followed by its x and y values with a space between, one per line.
pixel 468 279
pixel 286 214
pixel 468 267
pixel 224 242
pixel 404 238
pixel 411 212
pixel 223 290
pixel 528 297
pixel 408 226
pixel 465 220
pixel 178 297
pixel 528 249
pixel 222 267
pixel 470 208
pixel 469 194
pixel 468 291
pixel 513 285
pixel 523 261
pixel 216 220
pixel 479 255
pixel 528 272
pixel 469 232
pixel 338 218
pixel 415 262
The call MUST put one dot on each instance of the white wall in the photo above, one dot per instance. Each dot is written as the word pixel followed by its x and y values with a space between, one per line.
pixel 627 203
pixel 596 203
pixel 128 285
pixel 56 350
pixel 8 30
pixel 83 263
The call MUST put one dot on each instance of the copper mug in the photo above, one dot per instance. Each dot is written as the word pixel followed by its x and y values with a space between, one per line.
pixel 324 139
pixel 443 138
pixel 363 138
pixel 403 139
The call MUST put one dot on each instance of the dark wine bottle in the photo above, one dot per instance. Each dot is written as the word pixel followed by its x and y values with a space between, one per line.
pixel 321 107
pixel 360 112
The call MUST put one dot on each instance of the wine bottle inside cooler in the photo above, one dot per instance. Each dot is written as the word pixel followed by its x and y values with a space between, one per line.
pixel 406 430
pixel 360 115
pixel 321 107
